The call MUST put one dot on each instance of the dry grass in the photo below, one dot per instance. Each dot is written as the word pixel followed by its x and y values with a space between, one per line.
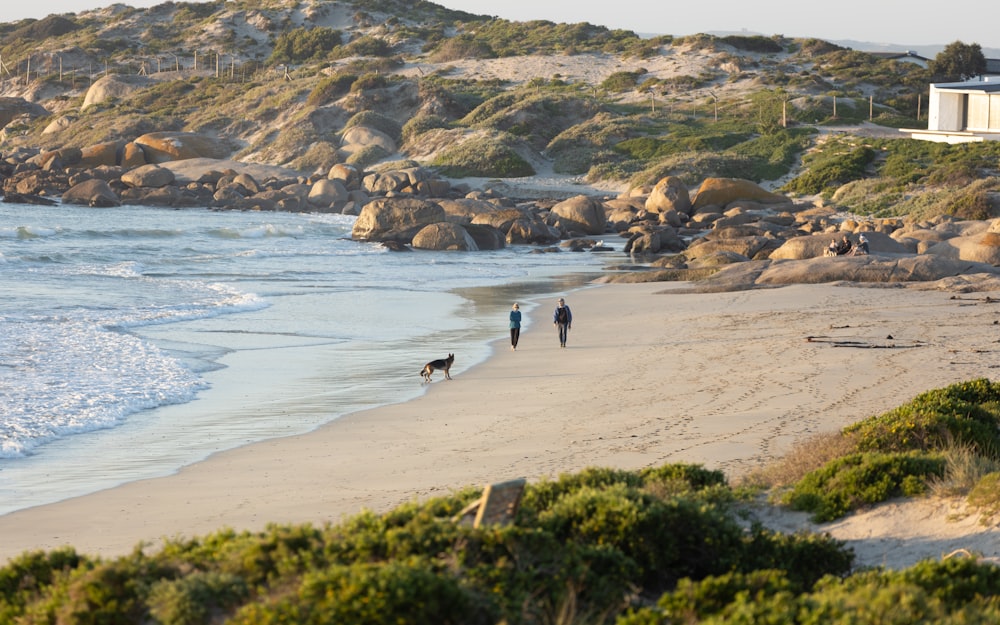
pixel 964 469
pixel 809 455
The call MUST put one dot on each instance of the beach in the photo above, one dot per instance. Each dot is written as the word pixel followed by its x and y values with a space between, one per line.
pixel 651 375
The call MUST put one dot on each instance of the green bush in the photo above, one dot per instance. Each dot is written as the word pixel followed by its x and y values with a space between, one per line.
pixel 194 599
pixel 856 480
pixel 966 413
pixel 330 89
pixel 827 171
pixel 493 157
pixel 304 44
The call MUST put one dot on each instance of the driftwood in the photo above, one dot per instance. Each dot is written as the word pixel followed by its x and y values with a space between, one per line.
pixel 835 342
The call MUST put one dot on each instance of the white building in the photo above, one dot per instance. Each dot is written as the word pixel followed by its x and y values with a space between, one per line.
pixel 960 112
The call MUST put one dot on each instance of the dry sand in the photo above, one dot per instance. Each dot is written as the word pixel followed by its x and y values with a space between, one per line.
pixel 728 380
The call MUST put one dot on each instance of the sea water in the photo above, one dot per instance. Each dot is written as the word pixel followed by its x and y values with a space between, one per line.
pixel 136 340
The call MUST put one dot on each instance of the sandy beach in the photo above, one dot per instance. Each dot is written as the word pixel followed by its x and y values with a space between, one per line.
pixel 650 376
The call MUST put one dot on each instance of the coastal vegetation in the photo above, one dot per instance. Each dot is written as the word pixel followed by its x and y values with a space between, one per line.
pixel 668 544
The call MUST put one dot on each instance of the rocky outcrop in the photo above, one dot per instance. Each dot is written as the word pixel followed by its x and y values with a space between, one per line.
pixel 579 215
pixel 12 108
pixel 722 192
pixel 444 236
pixel 114 86
pixel 161 147
pixel 148 176
pixel 94 192
pixel 396 219
pixel 669 194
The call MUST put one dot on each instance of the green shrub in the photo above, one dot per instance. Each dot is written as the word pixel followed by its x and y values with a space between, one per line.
pixel 194 599
pixel 856 480
pixel 492 156
pixel 330 89
pixel 304 44
pixel 622 81
pixel 420 124
pixel 985 497
pixel 828 171
pixel 966 413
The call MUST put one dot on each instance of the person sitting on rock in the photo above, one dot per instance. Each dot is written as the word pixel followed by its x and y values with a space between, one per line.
pixel 844 247
pixel 862 247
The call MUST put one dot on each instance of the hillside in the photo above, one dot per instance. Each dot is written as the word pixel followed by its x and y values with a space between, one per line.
pixel 312 84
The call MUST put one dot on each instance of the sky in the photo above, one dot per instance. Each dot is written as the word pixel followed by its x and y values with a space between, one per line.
pixel 903 24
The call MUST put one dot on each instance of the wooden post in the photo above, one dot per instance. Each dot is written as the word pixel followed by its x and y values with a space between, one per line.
pixel 196 60
pixel 835 107
pixel 784 113
pixel 919 102
pixel 871 108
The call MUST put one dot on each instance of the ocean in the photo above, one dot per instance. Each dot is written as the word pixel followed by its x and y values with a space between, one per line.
pixel 137 340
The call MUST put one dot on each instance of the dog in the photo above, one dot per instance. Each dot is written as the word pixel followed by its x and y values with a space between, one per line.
pixel 444 364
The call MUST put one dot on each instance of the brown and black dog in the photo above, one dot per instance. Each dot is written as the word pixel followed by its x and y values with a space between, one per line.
pixel 443 364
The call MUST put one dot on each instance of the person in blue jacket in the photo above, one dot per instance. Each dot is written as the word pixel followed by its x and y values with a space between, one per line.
pixel 562 319
pixel 515 326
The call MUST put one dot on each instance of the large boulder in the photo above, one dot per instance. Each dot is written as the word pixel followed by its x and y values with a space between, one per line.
pixel 328 193
pixel 348 175
pixel 486 237
pixel 501 219
pixel 162 147
pixel 114 86
pixel 526 231
pixel 93 192
pixel 395 219
pixel 100 154
pixel 579 214
pixel 444 236
pixel 980 248
pixel 669 193
pixel 465 210
pixel 723 191
pixel 12 108
pixel 148 176
pixel 358 138
pixel 813 245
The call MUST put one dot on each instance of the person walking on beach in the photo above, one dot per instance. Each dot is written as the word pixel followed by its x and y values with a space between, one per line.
pixel 562 319
pixel 515 326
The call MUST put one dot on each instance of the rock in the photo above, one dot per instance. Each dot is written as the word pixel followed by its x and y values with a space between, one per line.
pixel 357 138
pixel 395 219
pixel 444 236
pixel 723 191
pixel 501 219
pixel 59 124
pixel 12 108
pixel 148 176
pixel 132 155
pixel 94 192
pixel 166 196
pixel 118 86
pixel 668 194
pixel 348 175
pixel 161 147
pixel 579 214
pixel 464 211
pixel 101 154
pixel 486 237
pixel 527 231
pixel 328 193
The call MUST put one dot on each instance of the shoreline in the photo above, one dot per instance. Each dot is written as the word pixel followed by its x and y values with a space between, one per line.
pixel 727 380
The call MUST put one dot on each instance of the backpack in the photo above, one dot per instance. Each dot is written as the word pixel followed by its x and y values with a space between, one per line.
pixel 561 315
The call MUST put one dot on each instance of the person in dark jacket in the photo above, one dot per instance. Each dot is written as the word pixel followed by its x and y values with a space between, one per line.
pixel 515 326
pixel 562 319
